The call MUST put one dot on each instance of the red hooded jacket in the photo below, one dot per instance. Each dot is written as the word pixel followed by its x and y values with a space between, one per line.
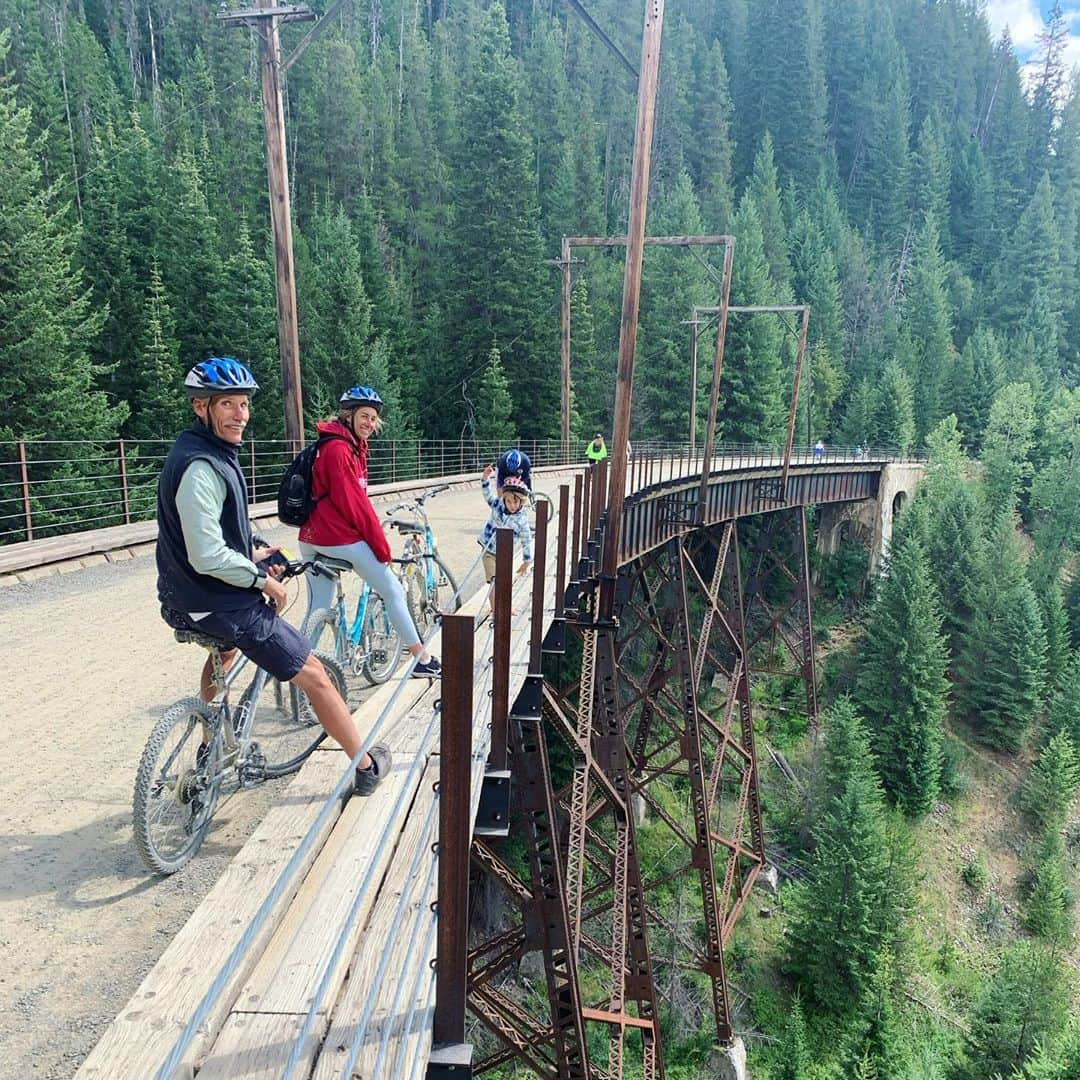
pixel 343 513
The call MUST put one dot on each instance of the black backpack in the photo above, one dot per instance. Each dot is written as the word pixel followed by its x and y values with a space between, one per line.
pixel 294 499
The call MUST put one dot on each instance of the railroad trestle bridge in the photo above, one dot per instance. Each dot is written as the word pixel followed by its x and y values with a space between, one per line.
pixel 585 703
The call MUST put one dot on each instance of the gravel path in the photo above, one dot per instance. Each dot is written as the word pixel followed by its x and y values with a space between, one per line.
pixel 80 921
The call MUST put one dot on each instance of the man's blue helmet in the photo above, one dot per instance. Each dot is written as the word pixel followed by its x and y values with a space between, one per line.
pixel 356 396
pixel 219 375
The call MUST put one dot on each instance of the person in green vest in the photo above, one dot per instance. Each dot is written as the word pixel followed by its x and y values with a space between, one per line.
pixel 597 449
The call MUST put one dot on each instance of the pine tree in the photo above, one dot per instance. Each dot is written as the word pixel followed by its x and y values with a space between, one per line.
pixel 752 389
pixel 47 325
pixel 894 409
pixel 1031 261
pixel 1046 908
pixel 783 87
pixel 1007 444
pixel 764 189
pixel 1056 1057
pixel 1003 651
pixel 977 376
pixel 1053 781
pixel 672 282
pixel 709 152
pixel 1047 93
pixel 933 175
pixel 1055 489
pixel 493 405
pixel 243 323
pixel 1064 712
pixel 1023 1002
pixel 496 288
pixel 902 687
pixel 928 321
pixel 794 1056
pixel 1005 136
pixel 852 906
pixel 158 405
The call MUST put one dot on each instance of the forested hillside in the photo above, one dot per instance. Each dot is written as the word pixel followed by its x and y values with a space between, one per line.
pixel 882 161
pixel 885 161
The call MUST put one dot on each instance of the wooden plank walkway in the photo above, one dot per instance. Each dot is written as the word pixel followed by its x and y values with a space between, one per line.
pixel 254 1025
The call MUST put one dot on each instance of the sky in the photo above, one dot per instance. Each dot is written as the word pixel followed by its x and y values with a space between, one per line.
pixel 1025 19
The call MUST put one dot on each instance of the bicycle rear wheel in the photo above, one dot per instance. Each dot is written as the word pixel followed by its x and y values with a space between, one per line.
pixel 321 629
pixel 283 719
pixel 177 785
pixel 380 643
pixel 539 497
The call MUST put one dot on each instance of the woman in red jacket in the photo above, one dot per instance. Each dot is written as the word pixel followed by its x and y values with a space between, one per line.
pixel 344 524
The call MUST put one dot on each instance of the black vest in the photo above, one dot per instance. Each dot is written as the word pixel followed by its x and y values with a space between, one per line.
pixel 180 587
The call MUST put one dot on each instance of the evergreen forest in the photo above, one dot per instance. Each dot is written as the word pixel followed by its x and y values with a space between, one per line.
pixel 889 162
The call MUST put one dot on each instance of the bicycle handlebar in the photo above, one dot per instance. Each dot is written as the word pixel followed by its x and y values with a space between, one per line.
pixel 432 492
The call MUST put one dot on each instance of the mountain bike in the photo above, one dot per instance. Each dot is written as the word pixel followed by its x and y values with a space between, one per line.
pixel 429 585
pixel 369 646
pixel 195 745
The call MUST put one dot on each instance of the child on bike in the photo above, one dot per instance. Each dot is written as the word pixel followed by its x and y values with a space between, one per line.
pixel 507 512
pixel 344 524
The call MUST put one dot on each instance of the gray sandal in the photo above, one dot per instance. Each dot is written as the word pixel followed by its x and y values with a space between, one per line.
pixel 367 780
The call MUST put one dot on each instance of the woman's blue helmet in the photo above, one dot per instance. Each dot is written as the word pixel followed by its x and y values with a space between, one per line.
pixel 356 396
pixel 219 375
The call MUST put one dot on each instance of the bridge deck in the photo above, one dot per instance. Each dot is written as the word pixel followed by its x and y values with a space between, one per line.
pixel 259 1015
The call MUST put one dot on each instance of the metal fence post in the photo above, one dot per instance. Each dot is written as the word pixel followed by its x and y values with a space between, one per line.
pixel 123 481
pixel 455 783
pixel 25 480
pixel 251 493
pixel 500 674
pixel 536 628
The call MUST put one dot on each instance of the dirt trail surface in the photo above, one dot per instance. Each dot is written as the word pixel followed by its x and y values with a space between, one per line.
pixel 90 666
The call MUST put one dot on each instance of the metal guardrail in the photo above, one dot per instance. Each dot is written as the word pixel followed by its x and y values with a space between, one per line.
pixel 54 487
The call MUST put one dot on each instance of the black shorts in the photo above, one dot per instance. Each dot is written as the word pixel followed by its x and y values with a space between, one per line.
pixel 257 631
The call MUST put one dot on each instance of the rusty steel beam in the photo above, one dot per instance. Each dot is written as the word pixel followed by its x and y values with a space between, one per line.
pixel 455 759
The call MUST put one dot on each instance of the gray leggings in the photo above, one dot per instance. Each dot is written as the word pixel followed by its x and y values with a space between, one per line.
pixel 378 575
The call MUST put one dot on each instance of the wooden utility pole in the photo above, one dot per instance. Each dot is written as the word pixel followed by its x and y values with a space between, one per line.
pixel 564 396
pixel 635 250
pixel 265 20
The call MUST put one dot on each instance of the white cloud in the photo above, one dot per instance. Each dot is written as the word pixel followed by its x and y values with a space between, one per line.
pixel 1025 23
pixel 1021 17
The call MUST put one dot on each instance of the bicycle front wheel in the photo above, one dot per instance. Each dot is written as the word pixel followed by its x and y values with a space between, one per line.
pixel 427 601
pixel 380 642
pixel 177 786
pixel 283 719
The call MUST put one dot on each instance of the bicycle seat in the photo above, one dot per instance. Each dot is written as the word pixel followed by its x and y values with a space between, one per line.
pixel 331 563
pixel 405 526
pixel 191 637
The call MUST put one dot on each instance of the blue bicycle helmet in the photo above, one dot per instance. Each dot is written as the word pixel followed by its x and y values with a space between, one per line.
pixel 512 461
pixel 219 375
pixel 356 396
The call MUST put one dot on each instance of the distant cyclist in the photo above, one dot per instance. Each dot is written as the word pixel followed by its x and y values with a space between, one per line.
pixel 513 462
pixel 344 525
pixel 211 578
pixel 597 449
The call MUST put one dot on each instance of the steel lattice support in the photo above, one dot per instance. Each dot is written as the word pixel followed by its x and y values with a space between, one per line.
pixel 779 602
pixel 691 733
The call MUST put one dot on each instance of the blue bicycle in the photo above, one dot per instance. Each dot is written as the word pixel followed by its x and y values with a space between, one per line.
pixel 430 588
pixel 369 645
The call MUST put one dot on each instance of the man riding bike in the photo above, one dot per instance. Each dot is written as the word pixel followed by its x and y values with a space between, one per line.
pixel 208 577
